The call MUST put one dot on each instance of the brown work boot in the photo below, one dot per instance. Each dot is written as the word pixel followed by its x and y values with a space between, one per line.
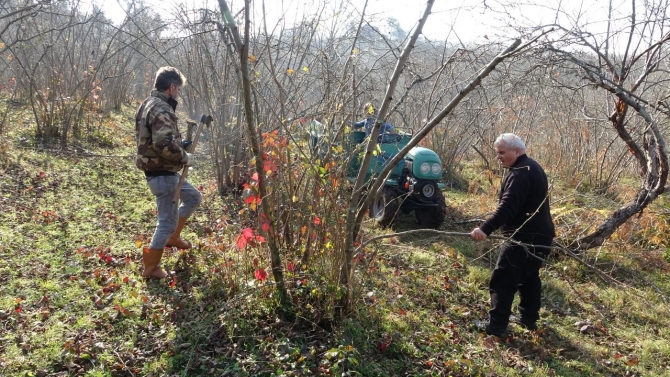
pixel 175 239
pixel 179 243
pixel 152 260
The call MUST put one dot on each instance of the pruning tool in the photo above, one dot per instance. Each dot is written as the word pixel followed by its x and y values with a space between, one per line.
pixel 204 120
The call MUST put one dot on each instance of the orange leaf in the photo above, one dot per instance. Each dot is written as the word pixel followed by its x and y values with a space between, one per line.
pixel 632 360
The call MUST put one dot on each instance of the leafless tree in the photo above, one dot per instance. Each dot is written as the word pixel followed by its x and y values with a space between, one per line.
pixel 624 54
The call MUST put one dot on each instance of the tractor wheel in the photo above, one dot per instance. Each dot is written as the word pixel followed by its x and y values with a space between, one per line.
pixel 432 217
pixel 384 207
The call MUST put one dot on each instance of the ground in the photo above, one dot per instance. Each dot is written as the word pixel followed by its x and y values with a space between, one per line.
pixel 73 223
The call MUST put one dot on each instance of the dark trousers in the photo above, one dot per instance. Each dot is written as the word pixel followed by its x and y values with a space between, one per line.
pixel 517 268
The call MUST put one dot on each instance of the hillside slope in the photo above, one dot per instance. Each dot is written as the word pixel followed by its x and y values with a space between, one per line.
pixel 73 303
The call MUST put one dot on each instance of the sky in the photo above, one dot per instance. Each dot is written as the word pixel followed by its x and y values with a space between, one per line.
pixel 447 16
pixel 478 21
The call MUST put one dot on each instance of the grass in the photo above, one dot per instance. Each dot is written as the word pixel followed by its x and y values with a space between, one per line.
pixel 74 304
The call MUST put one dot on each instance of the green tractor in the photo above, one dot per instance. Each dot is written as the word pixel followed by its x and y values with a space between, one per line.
pixel 413 185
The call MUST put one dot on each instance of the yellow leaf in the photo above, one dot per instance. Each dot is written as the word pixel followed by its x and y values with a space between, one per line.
pixel 257 74
pixel 305 69
pixel 138 243
pixel 356 51
pixel 2 45
pixel 253 58
pixel 290 71
pixel 295 198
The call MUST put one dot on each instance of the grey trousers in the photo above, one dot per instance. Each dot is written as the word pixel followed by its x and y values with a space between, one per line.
pixel 163 189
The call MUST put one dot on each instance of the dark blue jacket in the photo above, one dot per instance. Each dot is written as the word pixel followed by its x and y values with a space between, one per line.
pixel 369 123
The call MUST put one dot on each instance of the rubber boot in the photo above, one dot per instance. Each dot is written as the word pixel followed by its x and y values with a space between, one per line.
pixel 152 259
pixel 175 239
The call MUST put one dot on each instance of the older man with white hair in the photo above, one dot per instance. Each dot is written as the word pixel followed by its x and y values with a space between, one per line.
pixel 522 215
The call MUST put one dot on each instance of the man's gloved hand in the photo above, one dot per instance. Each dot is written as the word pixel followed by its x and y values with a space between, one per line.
pixel 186 143
pixel 190 159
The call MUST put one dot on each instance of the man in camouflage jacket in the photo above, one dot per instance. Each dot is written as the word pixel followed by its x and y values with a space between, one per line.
pixel 161 156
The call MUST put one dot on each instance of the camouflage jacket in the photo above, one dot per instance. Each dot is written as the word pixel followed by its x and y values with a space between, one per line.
pixel 157 134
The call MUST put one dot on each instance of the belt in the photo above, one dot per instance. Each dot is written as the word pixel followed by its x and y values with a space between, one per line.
pixel 159 173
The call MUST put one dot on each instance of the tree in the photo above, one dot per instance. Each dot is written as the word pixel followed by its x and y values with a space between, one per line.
pixel 626 59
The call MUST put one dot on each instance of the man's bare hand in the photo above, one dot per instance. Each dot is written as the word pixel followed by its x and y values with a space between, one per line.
pixel 478 235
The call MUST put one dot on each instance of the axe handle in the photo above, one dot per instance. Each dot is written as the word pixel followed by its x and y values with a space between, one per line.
pixel 184 171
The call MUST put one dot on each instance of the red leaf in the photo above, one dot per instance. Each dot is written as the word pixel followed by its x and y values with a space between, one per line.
pixel 260 274
pixel 260 239
pixel 173 282
pixel 254 177
pixel 126 279
pixel 248 233
pixel 241 241
pixel 290 266
pixel 255 262
pixel 265 223
pixel 384 345
pixel 19 309
pixel 317 220
pixel 250 199
pixel 270 165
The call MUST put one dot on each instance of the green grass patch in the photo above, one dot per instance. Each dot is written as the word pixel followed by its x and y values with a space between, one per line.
pixel 72 300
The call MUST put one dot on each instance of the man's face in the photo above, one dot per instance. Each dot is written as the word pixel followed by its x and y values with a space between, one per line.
pixel 173 91
pixel 507 156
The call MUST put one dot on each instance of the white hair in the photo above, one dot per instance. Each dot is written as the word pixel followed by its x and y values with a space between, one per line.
pixel 510 141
